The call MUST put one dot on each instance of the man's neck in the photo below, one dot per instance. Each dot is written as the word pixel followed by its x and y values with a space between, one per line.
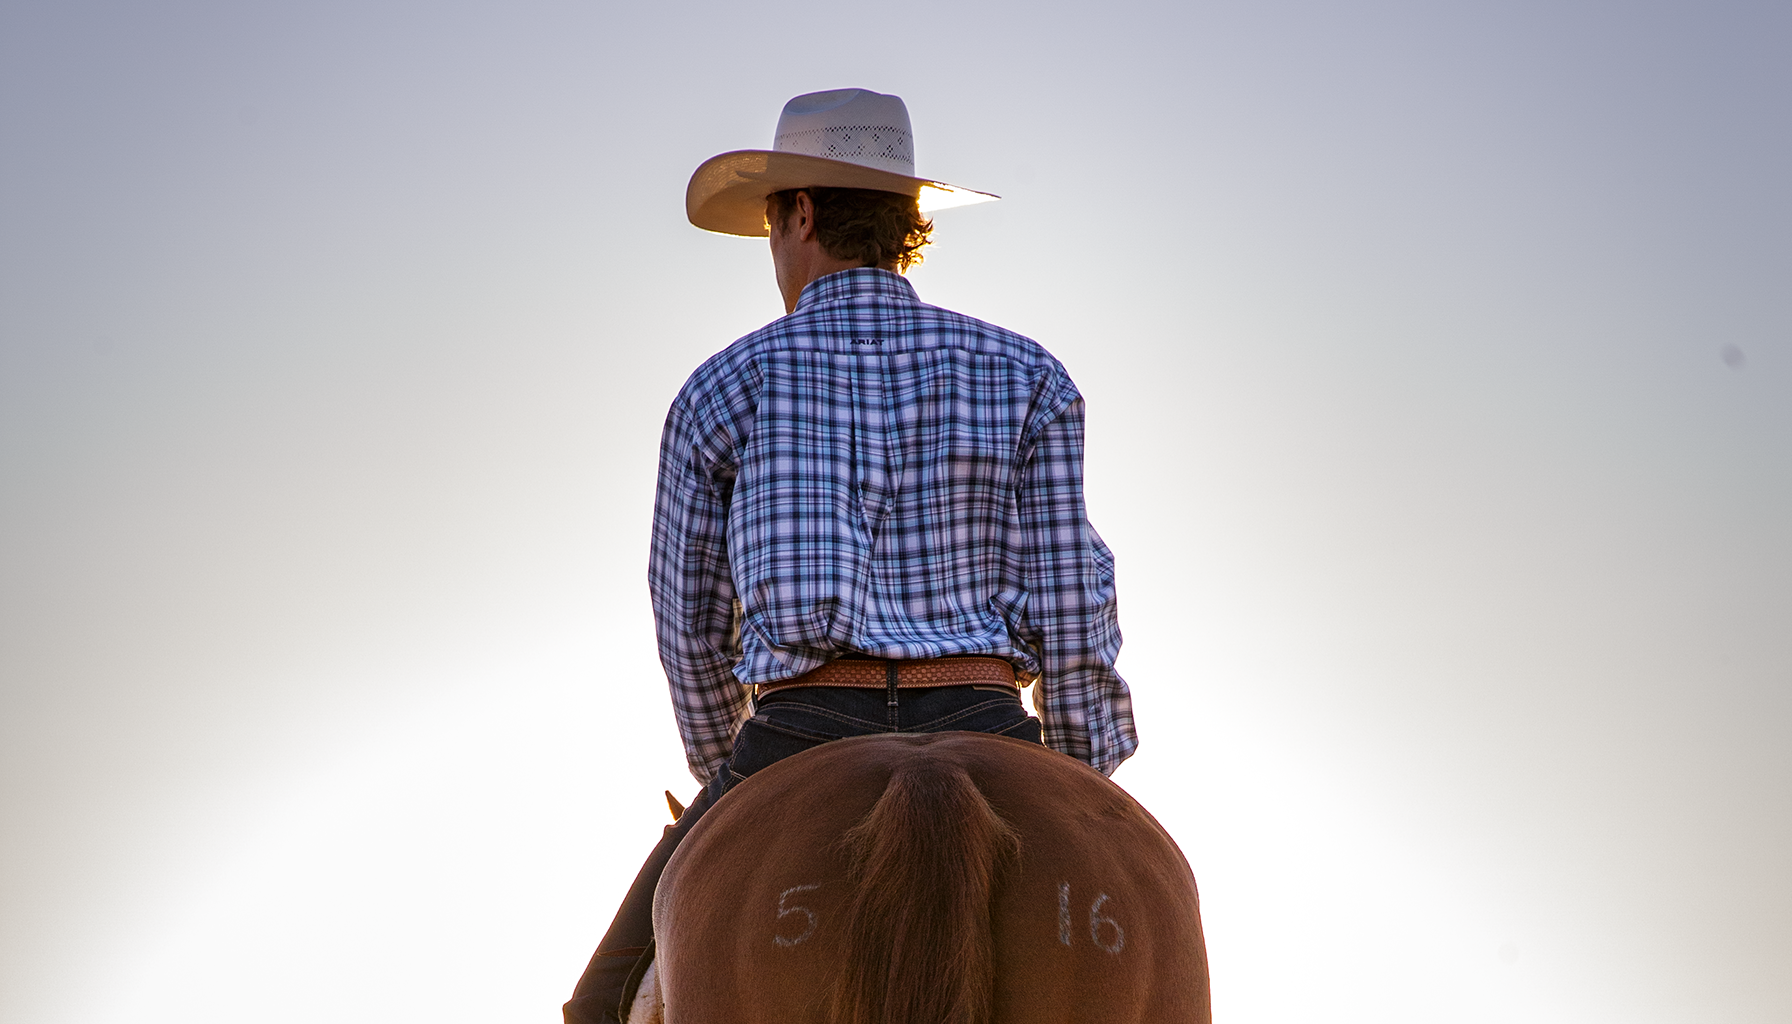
pixel 807 272
pixel 797 253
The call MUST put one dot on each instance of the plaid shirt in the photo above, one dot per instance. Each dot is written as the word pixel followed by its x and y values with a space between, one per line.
pixel 878 475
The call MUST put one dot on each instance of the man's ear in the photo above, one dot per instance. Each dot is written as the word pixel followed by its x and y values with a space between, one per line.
pixel 805 217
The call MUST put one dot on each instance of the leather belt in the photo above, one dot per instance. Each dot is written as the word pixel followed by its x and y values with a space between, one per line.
pixel 876 674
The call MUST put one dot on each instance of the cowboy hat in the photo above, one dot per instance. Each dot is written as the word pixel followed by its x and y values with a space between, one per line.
pixel 842 138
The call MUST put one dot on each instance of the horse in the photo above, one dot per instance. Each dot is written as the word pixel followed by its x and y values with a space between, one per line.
pixel 927 878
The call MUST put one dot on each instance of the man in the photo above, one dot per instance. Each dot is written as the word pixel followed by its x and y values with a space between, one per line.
pixel 870 512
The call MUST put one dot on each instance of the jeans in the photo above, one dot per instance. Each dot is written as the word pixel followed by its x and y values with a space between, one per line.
pixel 787 722
pixel 784 722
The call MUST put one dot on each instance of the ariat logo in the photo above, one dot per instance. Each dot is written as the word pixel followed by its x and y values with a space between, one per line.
pixel 867 341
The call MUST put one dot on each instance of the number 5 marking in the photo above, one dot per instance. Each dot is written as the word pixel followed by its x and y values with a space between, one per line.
pixel 784 912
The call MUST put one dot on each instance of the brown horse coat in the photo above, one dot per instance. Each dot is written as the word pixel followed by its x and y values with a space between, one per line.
pixel 938 878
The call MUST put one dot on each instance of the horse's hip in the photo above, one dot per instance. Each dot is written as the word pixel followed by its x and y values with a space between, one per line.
pixel 1094 917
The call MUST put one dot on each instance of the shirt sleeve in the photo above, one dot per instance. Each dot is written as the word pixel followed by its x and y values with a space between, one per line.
pixel 1071 615
pixel 693 595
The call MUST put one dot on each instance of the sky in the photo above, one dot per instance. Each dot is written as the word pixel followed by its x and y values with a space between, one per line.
pixel 1438 363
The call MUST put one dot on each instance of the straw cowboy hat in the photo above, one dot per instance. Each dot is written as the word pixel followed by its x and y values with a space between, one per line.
pixel 842 138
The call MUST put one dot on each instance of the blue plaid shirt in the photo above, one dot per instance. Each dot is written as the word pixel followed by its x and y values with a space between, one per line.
pixel 878 475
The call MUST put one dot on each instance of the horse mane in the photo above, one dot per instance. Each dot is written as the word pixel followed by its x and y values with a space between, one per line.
pixel 924 864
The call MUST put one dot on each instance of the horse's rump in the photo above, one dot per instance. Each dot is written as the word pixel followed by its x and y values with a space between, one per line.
pixel 942 878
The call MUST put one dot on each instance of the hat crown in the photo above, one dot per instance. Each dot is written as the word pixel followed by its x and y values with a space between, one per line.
pixel 857 126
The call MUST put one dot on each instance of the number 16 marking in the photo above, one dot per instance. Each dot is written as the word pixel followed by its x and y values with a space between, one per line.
pixel 1096 921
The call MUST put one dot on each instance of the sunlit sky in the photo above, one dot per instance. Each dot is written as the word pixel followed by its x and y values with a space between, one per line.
pixel 1438 361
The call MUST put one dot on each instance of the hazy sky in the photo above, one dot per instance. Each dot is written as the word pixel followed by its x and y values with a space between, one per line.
pixel 1438 361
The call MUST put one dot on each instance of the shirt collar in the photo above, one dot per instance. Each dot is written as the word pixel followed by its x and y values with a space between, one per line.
pixel 858 285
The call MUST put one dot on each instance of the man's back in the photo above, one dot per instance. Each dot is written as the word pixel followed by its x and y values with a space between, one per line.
pixel 877 476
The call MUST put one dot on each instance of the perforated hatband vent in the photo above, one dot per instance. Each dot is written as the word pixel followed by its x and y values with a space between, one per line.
pixel 857 143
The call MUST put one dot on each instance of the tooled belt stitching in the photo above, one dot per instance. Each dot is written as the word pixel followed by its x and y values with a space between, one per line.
pixel 874 675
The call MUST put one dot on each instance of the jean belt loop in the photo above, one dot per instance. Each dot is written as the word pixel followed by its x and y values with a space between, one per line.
pixel 892 675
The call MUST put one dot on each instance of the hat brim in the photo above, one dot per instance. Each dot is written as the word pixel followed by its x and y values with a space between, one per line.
pixel 727 193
